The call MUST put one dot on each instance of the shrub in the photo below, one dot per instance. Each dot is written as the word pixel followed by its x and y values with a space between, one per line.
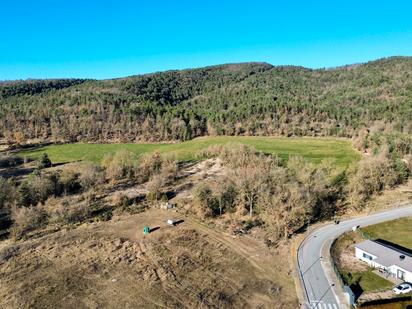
pixel 25 197
pixel 121 200
pixel 120 165
pixel 44 161
pixel 69 212
pixel 26 219
pixel 402 171
pixel 36 189
pixel 70 182
pixel 155 187
pixel 7 193
pixel 149 164
pixel 205 200
pixel 8 161
pixel 90 175
pixel 408 161
pixel 169 170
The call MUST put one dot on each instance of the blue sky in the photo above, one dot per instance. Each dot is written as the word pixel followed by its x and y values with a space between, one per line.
pixel 104 39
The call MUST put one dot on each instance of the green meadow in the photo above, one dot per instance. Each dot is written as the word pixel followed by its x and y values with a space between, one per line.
pixel 397 231
pixel 313 149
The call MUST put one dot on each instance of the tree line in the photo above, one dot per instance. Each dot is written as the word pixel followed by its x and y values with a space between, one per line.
pixel 241 99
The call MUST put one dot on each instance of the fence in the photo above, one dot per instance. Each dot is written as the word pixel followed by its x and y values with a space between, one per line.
pixel 346 288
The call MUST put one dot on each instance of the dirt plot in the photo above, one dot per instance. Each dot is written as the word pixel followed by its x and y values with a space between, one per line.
pixel 113 264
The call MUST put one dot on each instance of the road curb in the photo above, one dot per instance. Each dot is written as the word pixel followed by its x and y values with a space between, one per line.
pixel 331 275
pixel 300 287
pixel 295 266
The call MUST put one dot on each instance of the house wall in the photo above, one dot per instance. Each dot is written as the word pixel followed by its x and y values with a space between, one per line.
pixel 359 254
pixel 408 276
pixel 394 270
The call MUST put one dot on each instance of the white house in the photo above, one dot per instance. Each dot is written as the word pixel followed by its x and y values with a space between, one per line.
pixel 390 259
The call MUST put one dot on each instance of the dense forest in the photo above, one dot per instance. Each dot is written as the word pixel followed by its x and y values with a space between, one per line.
pixel 232 99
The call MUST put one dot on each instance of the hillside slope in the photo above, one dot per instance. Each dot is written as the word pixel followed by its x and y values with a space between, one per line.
pixel 233 99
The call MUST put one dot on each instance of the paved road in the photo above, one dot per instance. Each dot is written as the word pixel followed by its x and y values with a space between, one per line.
pixel 315 270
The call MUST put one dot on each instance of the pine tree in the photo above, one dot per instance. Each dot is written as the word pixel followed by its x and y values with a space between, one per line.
pixel 44 162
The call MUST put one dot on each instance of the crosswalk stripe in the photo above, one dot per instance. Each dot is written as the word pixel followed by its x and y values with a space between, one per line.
pixel 321 305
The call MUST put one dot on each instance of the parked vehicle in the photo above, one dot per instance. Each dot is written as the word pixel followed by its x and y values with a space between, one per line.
pixel 355 228
pixel 403 288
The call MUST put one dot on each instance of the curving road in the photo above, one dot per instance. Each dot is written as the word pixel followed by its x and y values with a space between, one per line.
pixel 320 286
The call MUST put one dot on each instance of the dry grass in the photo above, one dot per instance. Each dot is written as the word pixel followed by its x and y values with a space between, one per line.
pixel 112 264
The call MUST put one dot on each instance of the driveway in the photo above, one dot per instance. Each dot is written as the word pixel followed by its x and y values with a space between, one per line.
pixel 320 285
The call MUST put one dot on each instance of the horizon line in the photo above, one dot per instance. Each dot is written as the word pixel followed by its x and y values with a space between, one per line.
pixel 210 66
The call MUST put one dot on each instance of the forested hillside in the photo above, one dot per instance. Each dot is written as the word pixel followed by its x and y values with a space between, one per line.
pixel 234 99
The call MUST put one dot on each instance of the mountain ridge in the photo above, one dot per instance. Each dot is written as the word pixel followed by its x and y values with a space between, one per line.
pixel 214 66
pixel 232 99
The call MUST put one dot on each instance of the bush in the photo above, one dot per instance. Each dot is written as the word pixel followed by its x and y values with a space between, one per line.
pixel 70 182
pixel 121 200
pixel 44 162
pixel 155 187
pixel 205 200
pixel 169 170
pixel 36 189
pixel 26 219
pixel 90 175
pixel 408 161
pixel 402 171
pixel 7 193
pixel 121 165
pixel 149 164
pixel 7 161
pixel 67 212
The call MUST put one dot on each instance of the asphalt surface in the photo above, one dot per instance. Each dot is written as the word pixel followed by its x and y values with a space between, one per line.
pixel 319 286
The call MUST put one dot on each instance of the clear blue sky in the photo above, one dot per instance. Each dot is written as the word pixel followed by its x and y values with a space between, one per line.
pixel 103 39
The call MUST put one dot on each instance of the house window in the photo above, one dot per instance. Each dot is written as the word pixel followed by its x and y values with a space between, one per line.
pixel 401 274
pixel 367 256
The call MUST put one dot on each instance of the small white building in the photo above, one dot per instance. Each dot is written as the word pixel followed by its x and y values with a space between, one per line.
pixel 166 205
pixel 385 257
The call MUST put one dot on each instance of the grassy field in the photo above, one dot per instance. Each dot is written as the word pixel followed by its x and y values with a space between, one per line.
pixel 370 281
pixel 397 231
pixel 313 149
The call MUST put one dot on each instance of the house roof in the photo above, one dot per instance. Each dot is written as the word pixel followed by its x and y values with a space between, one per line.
pixel 386 255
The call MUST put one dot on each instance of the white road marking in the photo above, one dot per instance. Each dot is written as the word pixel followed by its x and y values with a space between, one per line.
pixel 321 305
